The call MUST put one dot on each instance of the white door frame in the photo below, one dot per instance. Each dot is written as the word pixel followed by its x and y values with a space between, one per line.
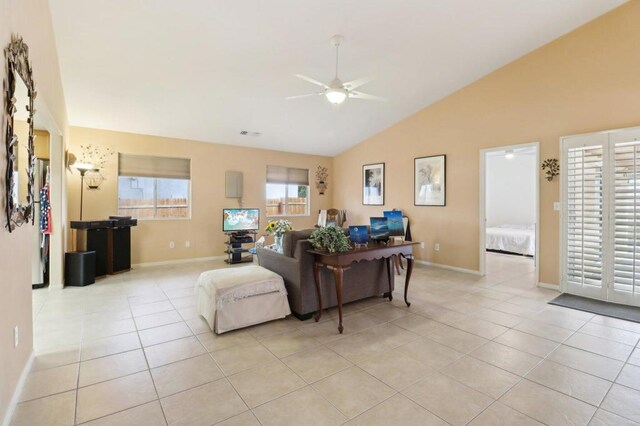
pixel 483 203
pixel 44 121
pixel 607 137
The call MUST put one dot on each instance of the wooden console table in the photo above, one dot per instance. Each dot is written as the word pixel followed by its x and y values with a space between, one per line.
pixel 339 262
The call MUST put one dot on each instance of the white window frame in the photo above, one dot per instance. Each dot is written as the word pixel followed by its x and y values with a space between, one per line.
pixel 155 200
pixel 286 201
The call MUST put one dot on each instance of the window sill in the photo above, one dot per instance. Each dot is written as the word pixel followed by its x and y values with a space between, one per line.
pixel 288 215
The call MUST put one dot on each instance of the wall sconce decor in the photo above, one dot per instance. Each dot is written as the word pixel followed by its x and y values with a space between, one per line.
pixel 93 155
pixel 93 178
pixel 551 167
pixel 321 179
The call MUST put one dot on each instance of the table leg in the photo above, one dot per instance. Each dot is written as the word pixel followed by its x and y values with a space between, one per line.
pixel 316 278
pixel 338 273
pixel 389 275
pixel 406 281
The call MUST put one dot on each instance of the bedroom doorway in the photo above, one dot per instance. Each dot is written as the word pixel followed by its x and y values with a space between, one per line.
pixel 509 210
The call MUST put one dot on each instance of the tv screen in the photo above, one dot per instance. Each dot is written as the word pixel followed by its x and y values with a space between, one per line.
pixel 234 220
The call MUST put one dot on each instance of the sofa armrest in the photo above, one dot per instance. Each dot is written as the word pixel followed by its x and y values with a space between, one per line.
pixel 287 267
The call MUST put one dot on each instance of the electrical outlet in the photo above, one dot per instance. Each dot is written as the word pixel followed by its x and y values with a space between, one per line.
pixel 556 206
pixel 187 244
pixel 172 244
pixel 422 245
pixel 16 336
pixel 436 247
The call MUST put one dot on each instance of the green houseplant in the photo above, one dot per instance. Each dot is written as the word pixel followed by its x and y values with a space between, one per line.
pixel 330 238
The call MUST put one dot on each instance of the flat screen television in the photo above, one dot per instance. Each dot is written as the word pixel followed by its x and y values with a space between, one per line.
pixel 239 220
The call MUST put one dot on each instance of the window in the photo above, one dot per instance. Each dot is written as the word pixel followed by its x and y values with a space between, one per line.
pixel 287 191
pixel 154 187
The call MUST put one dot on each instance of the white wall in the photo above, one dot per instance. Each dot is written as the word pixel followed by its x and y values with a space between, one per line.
pixel 511 189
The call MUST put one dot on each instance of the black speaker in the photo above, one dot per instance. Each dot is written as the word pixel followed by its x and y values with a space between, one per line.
pixel 97 241
pixel 120 247
pixel 80 268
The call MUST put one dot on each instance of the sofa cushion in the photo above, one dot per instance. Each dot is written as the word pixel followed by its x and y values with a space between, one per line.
pixel 291 238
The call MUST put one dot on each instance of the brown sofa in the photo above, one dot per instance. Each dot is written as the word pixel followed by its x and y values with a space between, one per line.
pixel 295 265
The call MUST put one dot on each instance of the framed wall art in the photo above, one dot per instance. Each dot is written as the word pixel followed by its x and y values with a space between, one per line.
pixel 373 184
pixel 429 187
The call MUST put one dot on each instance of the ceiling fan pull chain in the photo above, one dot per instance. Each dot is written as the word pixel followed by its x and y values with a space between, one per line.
pixel 337 47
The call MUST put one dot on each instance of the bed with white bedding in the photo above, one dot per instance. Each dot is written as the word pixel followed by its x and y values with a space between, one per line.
pixel 520 239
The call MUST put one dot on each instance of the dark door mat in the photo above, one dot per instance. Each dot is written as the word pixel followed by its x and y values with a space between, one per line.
pixel 607 309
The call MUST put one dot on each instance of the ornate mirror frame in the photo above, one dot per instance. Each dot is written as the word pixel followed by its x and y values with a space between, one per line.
pixel 17 65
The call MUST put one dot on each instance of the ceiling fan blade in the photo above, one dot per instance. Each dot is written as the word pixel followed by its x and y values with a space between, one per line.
pixel 311 80
pixel 354 84
pixel 304 96
pixel 360 95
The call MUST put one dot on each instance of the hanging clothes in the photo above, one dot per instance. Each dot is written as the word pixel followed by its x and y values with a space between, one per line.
pixel 45 209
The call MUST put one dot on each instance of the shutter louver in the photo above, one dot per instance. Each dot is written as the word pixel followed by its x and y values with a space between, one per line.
pixel 626 218
pixel 584 217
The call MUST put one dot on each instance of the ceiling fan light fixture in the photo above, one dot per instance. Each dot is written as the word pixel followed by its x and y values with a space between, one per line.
pixel 336 96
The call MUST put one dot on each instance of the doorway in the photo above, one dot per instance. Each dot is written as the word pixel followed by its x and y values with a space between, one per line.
pixel 51 166
pixel 600 194
pixel 509 210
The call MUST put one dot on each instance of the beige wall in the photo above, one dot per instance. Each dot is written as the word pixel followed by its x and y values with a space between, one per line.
pixel 150 240
pixel 31 19
pixel 585 81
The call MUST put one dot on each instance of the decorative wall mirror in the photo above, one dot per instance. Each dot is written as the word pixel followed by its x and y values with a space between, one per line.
pixel 18 118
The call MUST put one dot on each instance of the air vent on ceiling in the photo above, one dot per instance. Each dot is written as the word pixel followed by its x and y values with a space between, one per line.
pixel 248 133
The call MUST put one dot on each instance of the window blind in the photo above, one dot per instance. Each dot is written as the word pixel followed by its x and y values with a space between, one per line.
pixel 287 175
pixel 150 166
pixel 585 194
pixel 625 216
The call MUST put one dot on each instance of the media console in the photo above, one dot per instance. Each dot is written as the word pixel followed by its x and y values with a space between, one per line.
pixel 235 250
pixel 110 239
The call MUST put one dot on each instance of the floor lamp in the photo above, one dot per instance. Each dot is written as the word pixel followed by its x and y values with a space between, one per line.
pixel 82 168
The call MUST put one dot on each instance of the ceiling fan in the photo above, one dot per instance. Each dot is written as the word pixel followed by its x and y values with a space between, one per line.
pixel 336 91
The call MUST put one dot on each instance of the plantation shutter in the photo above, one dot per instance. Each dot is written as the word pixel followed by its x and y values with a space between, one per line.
pixel 287 175
pixel 155 167
pixel 625 216
pixel 626 210
pixel 585 195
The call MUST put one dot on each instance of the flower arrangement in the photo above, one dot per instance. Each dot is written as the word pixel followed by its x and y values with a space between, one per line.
pixel 330 238
pixel 278 227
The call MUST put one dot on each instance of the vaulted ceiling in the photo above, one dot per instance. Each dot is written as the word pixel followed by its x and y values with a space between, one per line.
pixel 209 69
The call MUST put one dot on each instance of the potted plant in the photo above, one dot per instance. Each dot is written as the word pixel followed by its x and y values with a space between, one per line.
pixel 330 238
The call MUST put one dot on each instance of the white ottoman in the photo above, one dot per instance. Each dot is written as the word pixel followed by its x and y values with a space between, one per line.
pixel 239 297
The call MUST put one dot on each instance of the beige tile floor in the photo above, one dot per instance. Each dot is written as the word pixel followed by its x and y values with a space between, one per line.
pixel 131 350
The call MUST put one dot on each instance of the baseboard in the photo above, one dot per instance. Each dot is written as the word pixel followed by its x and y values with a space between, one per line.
pixel 17 391
pixel 555 287
pixel 448 267
pixel 177 261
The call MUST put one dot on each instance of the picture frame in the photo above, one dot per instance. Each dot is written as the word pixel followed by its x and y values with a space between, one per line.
pixel 429 181
pixel 373 184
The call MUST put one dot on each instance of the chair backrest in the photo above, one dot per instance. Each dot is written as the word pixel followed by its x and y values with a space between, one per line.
pixel 332 216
